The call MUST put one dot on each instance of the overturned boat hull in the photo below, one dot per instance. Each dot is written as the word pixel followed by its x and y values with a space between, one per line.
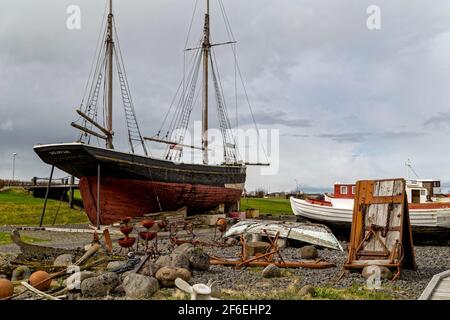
pixel 133 185
pixel 306 232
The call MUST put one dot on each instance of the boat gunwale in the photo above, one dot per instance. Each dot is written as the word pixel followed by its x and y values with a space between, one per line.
pixel 86 147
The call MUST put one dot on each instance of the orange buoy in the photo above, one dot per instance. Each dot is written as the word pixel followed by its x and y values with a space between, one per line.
pixel 222 224
pixel 6 288
pixel 38 280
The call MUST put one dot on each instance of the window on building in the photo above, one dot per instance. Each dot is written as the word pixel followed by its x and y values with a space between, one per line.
pixel 353 189
pixel 344 190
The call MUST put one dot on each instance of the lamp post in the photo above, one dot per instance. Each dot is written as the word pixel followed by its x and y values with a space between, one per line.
pixel 14 166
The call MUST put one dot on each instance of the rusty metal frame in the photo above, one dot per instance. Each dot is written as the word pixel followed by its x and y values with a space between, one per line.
pixel 263 260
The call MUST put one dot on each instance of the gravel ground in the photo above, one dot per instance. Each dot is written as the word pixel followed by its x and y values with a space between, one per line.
pixel 430 260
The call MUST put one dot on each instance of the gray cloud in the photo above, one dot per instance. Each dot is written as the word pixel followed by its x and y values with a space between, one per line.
pixel 295 135
pixel 360 137
pixel 6 125
pixel 345 137
pixel 441 119
pixel 307 65
pixel 277 118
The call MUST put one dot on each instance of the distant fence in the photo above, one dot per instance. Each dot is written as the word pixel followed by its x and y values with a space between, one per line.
pixel 14 183
pixel 55 181
pixel 35 181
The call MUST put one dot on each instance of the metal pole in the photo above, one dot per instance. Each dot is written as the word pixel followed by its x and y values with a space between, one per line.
pixel 46 195
pixel 71 191
pixel 109 51
pixel 206 48
pixel 98 197
pixel 14 166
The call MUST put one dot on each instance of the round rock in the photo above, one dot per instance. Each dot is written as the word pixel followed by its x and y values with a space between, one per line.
pixel 64 260
pixel 307 290
pixel 167 275
pixel 175 260
pixel 137 286
pixel 232 242
pixel 149 269
pixel 21 273
pixel 309 253
pixel 385 273
pixel 100 286
pixel 184 248
pixel 271 271
pixel 114 265
pixel 198 259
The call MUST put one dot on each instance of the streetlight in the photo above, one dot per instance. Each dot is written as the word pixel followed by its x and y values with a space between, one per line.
pixel 14 166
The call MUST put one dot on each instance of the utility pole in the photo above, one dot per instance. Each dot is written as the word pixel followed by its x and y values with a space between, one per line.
pixel 14 167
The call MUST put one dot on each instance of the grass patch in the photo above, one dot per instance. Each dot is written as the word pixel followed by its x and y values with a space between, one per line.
pixel 273 206
pixel 18 207
pixel 290 293
pixel 5 238
pixel 355 292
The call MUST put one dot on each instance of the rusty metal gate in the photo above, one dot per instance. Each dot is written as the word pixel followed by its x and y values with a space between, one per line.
pixel 381 231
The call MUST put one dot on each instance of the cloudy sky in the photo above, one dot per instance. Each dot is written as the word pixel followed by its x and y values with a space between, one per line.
pixel 349 103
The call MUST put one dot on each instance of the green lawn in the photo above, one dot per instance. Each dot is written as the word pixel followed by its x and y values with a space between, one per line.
pixel 5 238
pixel 271 206
pixel 77 195
pixel 18 207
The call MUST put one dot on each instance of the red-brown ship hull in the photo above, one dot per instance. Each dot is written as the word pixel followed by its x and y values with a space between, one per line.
pixel 121 198
pixel 133 185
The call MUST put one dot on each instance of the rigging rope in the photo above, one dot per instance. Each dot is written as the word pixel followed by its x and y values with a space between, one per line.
pixel 98 46
pixel 131 120
pixel 231 35
pixel 225 126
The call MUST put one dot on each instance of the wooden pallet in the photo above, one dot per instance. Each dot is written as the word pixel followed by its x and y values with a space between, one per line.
pixel 169 216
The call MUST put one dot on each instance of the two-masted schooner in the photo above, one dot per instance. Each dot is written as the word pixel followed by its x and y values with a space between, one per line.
pixel 116 184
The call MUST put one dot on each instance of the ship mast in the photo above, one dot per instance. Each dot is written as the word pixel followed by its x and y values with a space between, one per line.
pixel 206 48
pixel 109 66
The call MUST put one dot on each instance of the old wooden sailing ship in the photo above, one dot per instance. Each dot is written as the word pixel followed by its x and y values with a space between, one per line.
pixel 115 184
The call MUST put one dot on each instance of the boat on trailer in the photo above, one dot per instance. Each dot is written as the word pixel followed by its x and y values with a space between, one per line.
pixel 429 210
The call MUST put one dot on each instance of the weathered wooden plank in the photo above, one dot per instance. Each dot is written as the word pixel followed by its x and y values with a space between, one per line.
pixel 399 186
pixel 429 292
pixel 396 216
pixel 385 188
pixel 444 284
pixel 380 214
pixel 442 292
pixel 440 298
